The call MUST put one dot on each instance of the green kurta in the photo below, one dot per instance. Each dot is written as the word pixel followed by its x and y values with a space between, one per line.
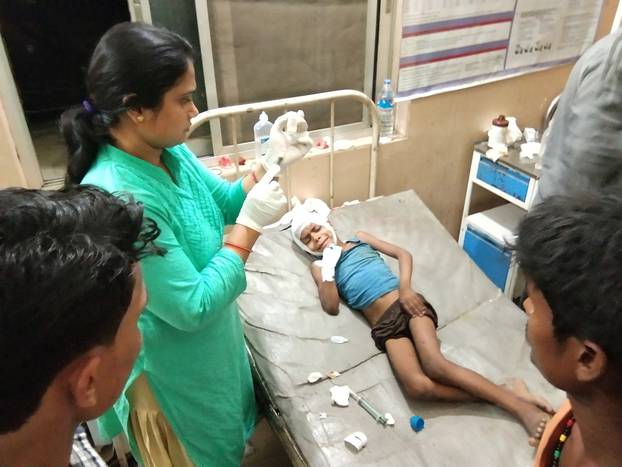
pixel 193 352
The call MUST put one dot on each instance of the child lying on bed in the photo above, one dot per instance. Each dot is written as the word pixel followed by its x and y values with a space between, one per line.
pixel 403 322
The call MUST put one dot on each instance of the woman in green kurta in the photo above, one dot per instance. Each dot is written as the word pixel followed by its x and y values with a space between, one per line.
pixel 127 137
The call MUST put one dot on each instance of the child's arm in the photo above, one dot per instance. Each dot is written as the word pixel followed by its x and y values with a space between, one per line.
pixel 410 300
pixel 329 297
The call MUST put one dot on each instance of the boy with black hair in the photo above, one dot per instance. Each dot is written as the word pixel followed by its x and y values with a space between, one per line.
pixel 571 251
pixel 71 293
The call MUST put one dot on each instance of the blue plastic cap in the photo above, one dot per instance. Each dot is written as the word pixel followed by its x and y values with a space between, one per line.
pixel 417 423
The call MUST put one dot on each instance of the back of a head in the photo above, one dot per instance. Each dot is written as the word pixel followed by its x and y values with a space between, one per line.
pixel 66 281
pixel 133 66
pixel 571 248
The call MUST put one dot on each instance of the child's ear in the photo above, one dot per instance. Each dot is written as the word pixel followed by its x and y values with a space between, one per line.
pixel 592 362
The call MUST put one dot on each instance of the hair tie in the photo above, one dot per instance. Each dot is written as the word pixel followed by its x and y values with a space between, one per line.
pixel 86 105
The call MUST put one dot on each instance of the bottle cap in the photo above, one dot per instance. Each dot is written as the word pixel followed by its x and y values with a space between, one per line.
pixel 500 121
pixel 356 441
pixel 417 423
pixel 263 117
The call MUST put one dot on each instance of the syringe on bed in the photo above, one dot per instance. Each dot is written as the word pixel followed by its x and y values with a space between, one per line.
pixel 368 408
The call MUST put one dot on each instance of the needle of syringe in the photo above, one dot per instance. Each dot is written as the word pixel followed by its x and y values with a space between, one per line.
pixel 368 408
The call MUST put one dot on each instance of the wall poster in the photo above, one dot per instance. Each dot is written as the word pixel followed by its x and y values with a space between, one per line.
pixel 451 44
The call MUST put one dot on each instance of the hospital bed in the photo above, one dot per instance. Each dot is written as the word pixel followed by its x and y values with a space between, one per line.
pixel 288 337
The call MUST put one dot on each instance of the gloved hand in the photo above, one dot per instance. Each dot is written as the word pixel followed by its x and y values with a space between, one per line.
pixel 265 203
pixel 289 140
pixel 330 256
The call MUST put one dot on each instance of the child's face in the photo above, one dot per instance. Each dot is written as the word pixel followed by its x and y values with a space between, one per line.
pixel 316 237
pixel 549 356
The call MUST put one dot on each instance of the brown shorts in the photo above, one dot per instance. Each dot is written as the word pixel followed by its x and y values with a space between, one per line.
pixel 393 324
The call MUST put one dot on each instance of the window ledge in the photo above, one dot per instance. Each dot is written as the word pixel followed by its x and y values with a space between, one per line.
pixel 228 171
pixel 223 165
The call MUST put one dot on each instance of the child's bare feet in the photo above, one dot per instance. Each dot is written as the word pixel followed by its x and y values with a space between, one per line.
pixel 532 411
pixel 534 420
pixel 518 387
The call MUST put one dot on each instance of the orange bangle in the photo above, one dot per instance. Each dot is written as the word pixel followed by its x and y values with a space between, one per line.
pixel 238 247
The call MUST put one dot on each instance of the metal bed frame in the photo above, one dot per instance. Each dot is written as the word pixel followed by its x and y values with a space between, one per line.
pixel 233 113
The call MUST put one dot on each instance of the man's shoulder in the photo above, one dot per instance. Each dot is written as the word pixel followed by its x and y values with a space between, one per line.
pixel 603 56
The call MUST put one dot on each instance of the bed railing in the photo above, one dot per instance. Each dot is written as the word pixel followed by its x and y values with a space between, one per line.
pixel 293 103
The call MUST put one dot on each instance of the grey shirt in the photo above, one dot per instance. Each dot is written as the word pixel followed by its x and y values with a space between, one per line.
pixel 583 151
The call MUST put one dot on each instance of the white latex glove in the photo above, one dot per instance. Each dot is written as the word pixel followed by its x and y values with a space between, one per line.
pixel 264 204
pixel 289 140
pixel 330 256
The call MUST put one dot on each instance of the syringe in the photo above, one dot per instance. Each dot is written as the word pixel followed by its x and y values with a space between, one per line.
pixel 368 408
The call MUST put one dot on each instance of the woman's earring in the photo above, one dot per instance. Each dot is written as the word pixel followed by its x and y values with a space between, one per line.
pixel 140 118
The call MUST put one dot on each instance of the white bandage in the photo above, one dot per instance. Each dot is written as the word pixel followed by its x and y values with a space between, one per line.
pixel 289 140
pixel 330 257
pixel 312 211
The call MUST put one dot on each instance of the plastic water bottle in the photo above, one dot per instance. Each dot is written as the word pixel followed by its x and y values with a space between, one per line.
pixel 384 103
pixel 262 134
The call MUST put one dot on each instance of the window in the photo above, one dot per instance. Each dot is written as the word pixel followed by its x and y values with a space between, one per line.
pixel 180 16
pixel 48 47
pixel 256 50
pixel 246 51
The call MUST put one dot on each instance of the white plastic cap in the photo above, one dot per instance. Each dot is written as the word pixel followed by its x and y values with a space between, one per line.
pixel 356 441
pixel 263 116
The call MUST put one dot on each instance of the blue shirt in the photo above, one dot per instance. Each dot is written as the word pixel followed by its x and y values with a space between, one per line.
pixel 362 276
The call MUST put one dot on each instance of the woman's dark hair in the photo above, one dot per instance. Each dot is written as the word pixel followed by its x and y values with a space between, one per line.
pixel 133 66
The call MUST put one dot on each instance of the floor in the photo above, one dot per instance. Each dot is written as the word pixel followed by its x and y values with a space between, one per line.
pixel 50 149
pixel 267 450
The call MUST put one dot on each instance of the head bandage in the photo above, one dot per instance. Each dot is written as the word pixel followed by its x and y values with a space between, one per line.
pixel 312 211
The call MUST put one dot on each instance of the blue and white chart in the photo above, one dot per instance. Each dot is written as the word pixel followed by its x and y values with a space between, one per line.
pixel 452 44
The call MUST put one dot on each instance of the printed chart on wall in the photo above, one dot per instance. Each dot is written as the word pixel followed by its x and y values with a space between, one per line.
pixel 450 44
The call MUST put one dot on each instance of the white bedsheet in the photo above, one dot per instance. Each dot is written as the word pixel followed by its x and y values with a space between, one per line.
pixel 289 336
